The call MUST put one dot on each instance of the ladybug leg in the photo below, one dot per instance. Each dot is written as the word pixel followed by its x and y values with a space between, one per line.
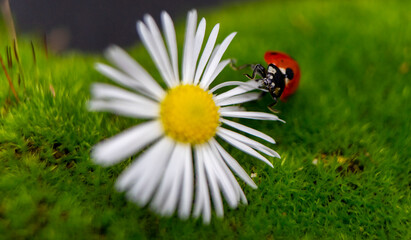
pixel 272 110
pixel 257 69
pixel 270 107
pixel 261 81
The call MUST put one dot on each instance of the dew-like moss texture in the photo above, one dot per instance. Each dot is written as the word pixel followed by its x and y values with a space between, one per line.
pixel 346 146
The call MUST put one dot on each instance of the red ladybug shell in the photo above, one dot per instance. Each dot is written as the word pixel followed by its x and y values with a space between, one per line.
pixel 284 61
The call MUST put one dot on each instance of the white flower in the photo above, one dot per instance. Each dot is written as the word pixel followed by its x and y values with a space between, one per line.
pixel 182 153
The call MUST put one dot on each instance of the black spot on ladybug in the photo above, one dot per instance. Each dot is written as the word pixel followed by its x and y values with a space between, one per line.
pixel 289 73
pixel 273 53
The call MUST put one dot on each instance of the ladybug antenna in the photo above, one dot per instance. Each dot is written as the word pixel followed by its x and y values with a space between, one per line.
pixel 233 65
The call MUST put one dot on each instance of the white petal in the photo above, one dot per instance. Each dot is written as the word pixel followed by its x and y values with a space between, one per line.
pixel 167 181
pixel 188 65
pixel 125 144
pixel 225 179
pixel 104 91
pixel 233 164
pixel 208 49
pixel 165 64
pixel 120 78
pixel 251 115
pixel 248 130
pixel 170 35
pixel 250 142
pixel 166 197
pixel 123 61
pixel 248 86
pixel 144 174
pixel 143 163
pixel 202 201
pixel 243 197
pixel 198 41
pixel 231 109
pixel 199 178
pixel 212 182
pixel 188 184
pixel 246 97
pixel 145 187
pixel 212 65
pixel 243 147
pixel 125 108
pixel 172 200
pixel 239 192
pixel 155 47
pixel 219 68
pixel 230 83
pixel 213 53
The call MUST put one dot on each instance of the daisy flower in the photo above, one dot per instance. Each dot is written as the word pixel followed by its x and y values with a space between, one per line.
pixel 183 168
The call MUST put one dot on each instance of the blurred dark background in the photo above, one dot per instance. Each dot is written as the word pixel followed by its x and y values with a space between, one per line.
pixel 92 25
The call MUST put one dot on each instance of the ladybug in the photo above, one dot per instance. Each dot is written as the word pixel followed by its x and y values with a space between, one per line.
pixel 281 78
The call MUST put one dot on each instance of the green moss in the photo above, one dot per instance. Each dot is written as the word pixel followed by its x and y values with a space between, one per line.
pixel 351 113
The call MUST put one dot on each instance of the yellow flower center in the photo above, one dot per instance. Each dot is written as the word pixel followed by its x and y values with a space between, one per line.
pixel 189 114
